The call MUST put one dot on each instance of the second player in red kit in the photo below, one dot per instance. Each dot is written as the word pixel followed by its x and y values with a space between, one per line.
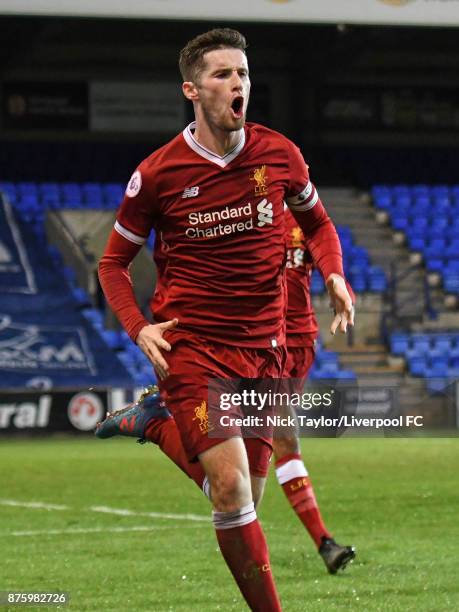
pixel 302 333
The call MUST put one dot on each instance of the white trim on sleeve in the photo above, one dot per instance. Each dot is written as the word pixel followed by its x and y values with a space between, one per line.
pixel 305 200
pixel 306 206
pixel 122 231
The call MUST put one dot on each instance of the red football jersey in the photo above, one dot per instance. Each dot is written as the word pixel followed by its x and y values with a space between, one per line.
pixel 221 223
pixel 302 327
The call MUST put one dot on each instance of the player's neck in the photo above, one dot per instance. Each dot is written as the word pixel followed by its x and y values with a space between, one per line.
pixel 215 140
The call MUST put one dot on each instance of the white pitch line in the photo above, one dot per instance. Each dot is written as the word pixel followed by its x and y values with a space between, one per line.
pixel 33 505
pixel 157 515
pixel 77 531
pixel 36 505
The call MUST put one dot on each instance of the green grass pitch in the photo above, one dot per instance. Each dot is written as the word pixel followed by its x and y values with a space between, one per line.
pixel 396 500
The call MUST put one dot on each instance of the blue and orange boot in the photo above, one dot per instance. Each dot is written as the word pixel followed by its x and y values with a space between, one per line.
pixel 133 419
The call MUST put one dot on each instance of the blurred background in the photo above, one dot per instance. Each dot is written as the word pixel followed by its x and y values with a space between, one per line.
pixel 368 89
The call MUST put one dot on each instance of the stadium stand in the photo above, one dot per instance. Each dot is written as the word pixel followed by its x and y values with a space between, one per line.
pixel 432 356
pixel 428 215
pixel 428 218
pixel 46 330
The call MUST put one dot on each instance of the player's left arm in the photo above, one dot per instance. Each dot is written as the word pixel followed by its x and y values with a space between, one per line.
pixel 321 239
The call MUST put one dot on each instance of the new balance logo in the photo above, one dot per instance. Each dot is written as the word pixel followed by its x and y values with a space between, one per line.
pixel 190 192
pixel 265 212
pixel 128 425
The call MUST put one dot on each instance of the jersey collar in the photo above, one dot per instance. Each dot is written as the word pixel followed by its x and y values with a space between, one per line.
pixel 212 157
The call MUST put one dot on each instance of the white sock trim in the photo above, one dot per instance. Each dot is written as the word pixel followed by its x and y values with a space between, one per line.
pixel 238 518
pixel 294 468
pixel 206 487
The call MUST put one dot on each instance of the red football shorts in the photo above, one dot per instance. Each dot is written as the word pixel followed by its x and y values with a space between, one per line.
pixel 194 360
pixel 299 362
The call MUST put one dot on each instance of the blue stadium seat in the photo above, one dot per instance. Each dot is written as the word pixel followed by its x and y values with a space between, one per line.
pixel 400 221
pixel 452 251
pixel 358 282
pixel 92 194
pixel 360 255
pixel 50 198
pixel 416 232
pixel 440 223
pixel 420 190
pixel 112 338
pixel 436 385
pixel 441 203
pixel 345 375
pixel 126 359
pixel 113 191
pixel 420 345
pixel 417 244
pixel 380 190
pixel 402 202
pixel 383 201
pixel 325 357
pixel 9 188
pixel 81 297
pixel 378 284
pixel 420 223
pixel 398 190
pixel 317 283
pixel 26 187
pixel 436 243
pixel 451 283
pixel 93 315
pixel 55 255
pixel 419 209
pixel 439 190
pixel 69 274
pixel 442 343
pixel 438 368
pixel 399 343
pixel 453 373
pixel 433 254
pixel 418 366
pixel 70 187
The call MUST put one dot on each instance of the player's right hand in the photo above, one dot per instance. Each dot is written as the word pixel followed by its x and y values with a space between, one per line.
pixel 151 341
pixel 341 303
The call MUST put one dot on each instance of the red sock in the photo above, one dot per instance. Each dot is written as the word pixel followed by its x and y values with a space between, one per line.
pixel 245 551
pixel 165 434
pixel 293 477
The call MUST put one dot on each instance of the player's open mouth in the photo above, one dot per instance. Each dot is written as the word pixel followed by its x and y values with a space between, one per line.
pixel 237 106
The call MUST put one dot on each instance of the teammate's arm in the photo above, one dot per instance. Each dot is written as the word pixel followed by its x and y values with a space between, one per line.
pixel 321 239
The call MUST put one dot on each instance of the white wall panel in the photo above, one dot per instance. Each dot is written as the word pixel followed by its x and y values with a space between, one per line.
pixel 395 12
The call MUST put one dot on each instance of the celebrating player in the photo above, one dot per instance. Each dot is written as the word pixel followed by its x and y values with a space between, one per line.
pixel 214 194
pixel 147 422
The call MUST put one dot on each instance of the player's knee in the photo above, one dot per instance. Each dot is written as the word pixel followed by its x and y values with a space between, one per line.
pixel 230 490
pixel 285 446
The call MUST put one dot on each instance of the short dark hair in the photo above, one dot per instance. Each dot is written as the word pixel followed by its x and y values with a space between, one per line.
pixel 191 59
